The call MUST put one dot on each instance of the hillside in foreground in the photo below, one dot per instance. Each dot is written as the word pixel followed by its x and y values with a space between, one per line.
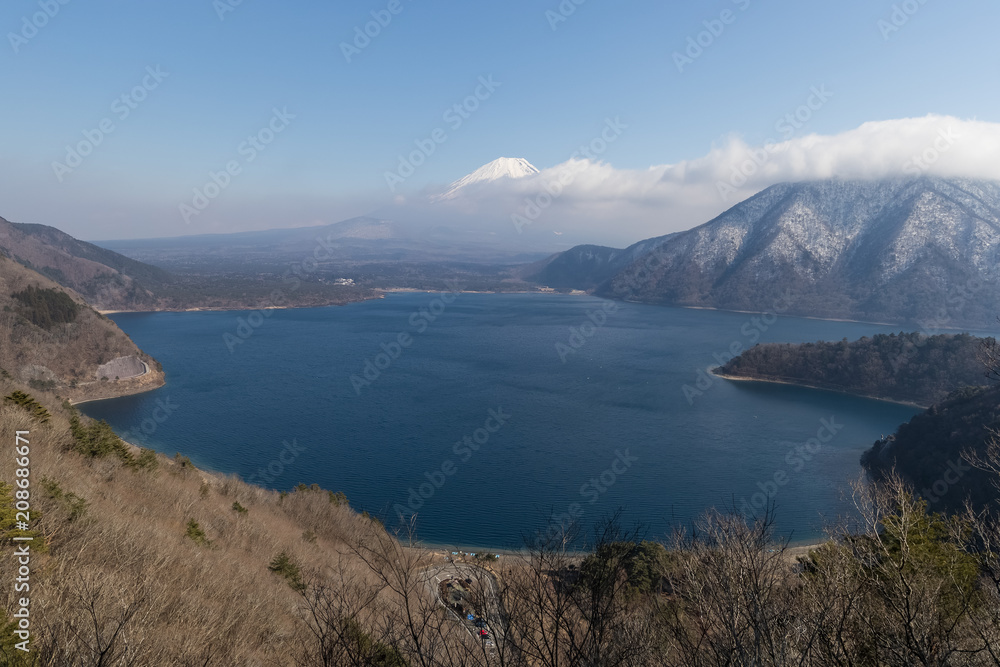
pixel 137 559
pixel 904 367
pixel 164 565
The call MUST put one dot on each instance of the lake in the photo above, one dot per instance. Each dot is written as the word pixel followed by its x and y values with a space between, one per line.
pixel 494 416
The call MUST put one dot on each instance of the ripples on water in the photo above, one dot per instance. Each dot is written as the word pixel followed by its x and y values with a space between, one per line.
pixel 282 409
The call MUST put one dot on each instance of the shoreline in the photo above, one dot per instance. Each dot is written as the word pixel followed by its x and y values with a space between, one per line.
pixel 382 291
pixel 381 295
pixel 798 546
pixel 139 379
pixel 764 312
pixel 976 330
pixel 450 549
pixel 108 398
pixel 740 378
pixel 200 309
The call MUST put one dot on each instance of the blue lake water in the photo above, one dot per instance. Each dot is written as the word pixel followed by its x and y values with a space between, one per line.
pixel 591 423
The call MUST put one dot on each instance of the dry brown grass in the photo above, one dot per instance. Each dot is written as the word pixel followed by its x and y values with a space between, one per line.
pixel 129 557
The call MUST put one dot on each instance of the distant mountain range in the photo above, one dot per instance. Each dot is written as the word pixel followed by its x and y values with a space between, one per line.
pixel 923 251
pixel 258 246
pixel 111 281
pixel 434 228
pixel 342 246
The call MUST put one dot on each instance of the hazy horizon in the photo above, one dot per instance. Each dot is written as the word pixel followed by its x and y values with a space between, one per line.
pixel 296 117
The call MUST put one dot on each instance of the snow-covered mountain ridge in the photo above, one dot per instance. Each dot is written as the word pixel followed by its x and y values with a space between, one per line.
pixel 900 250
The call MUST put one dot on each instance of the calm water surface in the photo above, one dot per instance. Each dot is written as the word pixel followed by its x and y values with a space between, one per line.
pixel 590 424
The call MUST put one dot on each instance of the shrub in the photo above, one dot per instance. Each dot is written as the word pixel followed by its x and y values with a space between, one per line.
pixel 196 534
pixel 373 652
pixel 147 460
pixel 26 401
pixel 98 439
pixel 74 505
pixel 42 385
pixel 308 487
pixel 9 524
pixel 643 564
pixel 283 565
pixel 919 543
pixel 9 653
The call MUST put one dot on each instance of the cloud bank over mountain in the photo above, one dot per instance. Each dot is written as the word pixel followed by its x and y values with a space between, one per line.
pixel 581 200
pixel 592 200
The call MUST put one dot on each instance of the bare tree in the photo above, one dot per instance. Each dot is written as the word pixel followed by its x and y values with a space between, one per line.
pixel 918 582
pixel 336 611
pixel 412 621
pixel 731 599
pixel 567 607
pixel 100 632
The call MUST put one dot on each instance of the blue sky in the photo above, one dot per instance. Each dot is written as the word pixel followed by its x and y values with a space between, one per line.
pixel 352 120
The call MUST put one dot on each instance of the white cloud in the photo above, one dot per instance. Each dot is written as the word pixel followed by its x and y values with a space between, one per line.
pixel 597 202
pixel 601 204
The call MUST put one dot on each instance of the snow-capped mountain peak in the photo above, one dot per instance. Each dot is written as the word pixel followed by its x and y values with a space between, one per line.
pixel 505 167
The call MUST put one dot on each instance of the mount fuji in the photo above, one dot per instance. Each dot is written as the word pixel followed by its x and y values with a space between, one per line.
pixel 505 167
